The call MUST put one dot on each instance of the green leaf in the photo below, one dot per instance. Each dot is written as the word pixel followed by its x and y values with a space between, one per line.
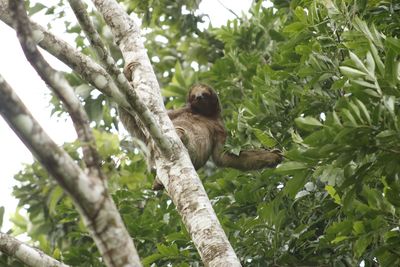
pixel 358 62
pixel 83 90
pixel 168 251
pixel 293 186
pixel 374 198
pixel 178 76
pixel 356 111
pixel 346 113
pixel 386 133
pixel 174 90
pixel 370 62
pixel 365 84
pixel 290 167
pixel 295 27
pixel 361 244
pixel 54 197
pixel 389 102
pixel 332 192
pixel 393 43
pixel 358 227
pixel 336 119
pixel 392 196
pixel 342 228
pixel 364 110
pixel 264 138
pixel 301 14
pixel 372 93
pixel 339 239
pixel 36 8
pixel 308 123
pixel 391 66
pixel 377 58
pixel 363 27
pixel 351 72
pixel 296 137
pixel 152 258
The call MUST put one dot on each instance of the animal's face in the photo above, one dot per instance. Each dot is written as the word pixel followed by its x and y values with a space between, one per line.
pixel 203 100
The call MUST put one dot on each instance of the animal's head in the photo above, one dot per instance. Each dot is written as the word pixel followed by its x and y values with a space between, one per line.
pixel 204 100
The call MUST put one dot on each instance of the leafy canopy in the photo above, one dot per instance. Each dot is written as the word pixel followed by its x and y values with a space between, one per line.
pixel 318 79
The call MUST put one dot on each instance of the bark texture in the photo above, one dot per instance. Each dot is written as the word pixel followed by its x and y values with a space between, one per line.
pixel 89 193
pixel 174 167
pixel 27 254
pixel 176 171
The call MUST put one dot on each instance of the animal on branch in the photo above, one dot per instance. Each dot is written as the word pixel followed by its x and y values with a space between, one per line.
pixel 201 129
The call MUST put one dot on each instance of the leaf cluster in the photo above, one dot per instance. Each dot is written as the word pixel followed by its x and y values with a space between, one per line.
pixel 319 80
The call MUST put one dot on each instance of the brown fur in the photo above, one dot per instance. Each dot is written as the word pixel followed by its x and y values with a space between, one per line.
pixel 200 127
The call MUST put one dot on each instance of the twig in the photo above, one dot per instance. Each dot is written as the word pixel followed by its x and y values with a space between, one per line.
pixel 227 8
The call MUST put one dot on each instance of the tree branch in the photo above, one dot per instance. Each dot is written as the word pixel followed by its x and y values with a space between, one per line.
pixel 80 63
pixel 59 86
pixel 96 75
pixel 89 194
pixel 108 62
pixel 26 254
pixel 176 173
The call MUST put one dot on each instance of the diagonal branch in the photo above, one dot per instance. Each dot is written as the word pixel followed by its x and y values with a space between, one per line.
pixel 89 194
pixel 59 86
pixel 176 173
pixel 108 62
pixel 92 73
pixel 80 63
pixel 26 254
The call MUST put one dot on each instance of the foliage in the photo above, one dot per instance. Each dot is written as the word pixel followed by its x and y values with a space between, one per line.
pixel 318 79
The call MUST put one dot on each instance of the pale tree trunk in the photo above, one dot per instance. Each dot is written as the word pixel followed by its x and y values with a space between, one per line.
pixel 175 172
pixel 173 164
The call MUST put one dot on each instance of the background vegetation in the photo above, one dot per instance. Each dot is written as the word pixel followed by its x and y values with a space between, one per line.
pixel 317 79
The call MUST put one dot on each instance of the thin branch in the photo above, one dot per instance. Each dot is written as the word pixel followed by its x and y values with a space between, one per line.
pixel 89 193
pixel 59 86
pixel 80 63
pixel 227 8
pixel 27 254
pixel 108 62
pixel 83 65
pixel 102 52
pixel 94 74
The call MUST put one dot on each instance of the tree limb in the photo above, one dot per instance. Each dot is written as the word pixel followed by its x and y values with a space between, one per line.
pixel 89 193
pixel 26 254
pixel 94 74
pixel 108 62
pixel 80 63
pixel 176 173
pixel 59 86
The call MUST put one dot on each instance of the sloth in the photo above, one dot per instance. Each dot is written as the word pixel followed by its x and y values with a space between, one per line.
pixel 201 129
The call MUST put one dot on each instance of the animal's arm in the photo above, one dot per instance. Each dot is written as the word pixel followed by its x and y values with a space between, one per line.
pixel 173 113
pixel 247 159
pixel 131 124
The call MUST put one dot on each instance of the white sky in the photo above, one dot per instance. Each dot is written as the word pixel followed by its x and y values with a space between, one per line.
pixel 33 92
